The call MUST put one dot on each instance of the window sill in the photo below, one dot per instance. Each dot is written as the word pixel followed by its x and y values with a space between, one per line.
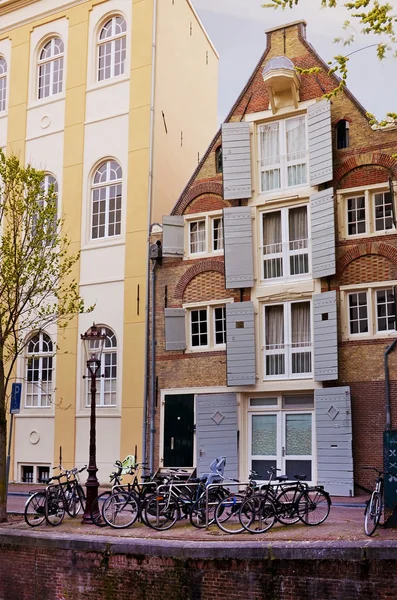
pixel 200 255
pixel 204 351
pixel 368 337
pixel 46 101
pixel 101 412
pixel 359 236
pixel 99 85
pixel 104 243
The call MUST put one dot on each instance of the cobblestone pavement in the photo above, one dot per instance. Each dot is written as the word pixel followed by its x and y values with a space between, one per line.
pixel 345 522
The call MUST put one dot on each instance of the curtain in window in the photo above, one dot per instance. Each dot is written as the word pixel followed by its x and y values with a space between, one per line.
pixel 298 233
pixel 270 155
pixel 296 150
pixel 300 324
pixel 272 244
pixel 274 323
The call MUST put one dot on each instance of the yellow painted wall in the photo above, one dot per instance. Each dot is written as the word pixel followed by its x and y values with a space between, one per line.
pixel 136 228
pixel 186 92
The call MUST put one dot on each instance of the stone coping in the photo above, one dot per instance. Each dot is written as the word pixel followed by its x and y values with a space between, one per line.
pixel 245 550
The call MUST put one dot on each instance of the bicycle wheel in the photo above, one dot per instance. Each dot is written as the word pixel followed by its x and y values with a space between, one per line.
pixel 314 506
pixel 96 509
pixel 75 500
pixel 227 514
pixel 34 509
pixel 120 510
pixel 287 507
pixel 257 514
pixel 161 512
pixel 54 507
pixel 373 512
pixel 197 515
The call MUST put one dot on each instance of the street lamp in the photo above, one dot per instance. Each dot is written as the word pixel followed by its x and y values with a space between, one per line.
pixel 94 341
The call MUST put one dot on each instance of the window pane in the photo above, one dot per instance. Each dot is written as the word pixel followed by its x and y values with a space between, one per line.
pixel 298 433
pixel 358 313
pixel 272 245
pixel 197 237
pixel 217 234
pixel 385 310
pixel 199 335
pixel 301 353
pixel 383 211
pixel 220 325
pixel 298 240
pixel 356 215
pixel 264 435
pixel 274 340
pixel 270 155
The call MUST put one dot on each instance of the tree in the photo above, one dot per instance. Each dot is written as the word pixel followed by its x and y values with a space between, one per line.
pixel 36 284
pixel 374 17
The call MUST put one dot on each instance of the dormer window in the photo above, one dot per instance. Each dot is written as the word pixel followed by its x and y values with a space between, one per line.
pixel 282 82
pixel 342 134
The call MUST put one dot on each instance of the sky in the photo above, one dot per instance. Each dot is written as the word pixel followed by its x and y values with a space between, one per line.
pixel 236 28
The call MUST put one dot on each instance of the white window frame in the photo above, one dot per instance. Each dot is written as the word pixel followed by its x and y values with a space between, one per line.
pixel 51 60
pixel 370 290
pixel 209 221
pixel 3 84
pixel 286 252
pixel 369 205
pixel 286 350
pixel 283 163
pixel 112 39
pixel 44 397
pixel 210 310
pixel 106 185
pixel 110 350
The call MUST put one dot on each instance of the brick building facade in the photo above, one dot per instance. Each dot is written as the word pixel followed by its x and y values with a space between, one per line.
pixel 275 298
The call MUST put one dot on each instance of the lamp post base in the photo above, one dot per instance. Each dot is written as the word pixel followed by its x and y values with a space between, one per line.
pixel 92 487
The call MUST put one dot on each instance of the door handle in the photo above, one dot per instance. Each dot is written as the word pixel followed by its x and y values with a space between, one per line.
pixel 201 452
pixel 283 451
pixel 172 443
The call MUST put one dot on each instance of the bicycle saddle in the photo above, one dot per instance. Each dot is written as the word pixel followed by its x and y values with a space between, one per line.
pixel 282 478
pixel 300 476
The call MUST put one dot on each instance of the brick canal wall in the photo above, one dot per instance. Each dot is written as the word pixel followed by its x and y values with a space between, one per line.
pixel 35 567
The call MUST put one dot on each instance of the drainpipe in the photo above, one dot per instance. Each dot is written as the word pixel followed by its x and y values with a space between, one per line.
pixel 150 202
pixel 387 384
pixel 153 370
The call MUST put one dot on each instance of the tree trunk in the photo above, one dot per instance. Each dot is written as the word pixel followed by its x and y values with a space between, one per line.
pixel 3 455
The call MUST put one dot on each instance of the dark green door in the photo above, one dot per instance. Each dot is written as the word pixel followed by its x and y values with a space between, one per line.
pixel 178 430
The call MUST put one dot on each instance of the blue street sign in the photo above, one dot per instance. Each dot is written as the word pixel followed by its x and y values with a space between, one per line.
pixel 16 392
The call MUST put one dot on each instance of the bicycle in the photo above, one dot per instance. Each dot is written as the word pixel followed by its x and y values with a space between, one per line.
pixel 64 497
pixel 228 509
pixel 374 506
pixel 35 507
pixel 174 501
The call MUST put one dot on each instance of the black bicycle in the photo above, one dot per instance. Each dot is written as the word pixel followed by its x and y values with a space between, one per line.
pixel 374 506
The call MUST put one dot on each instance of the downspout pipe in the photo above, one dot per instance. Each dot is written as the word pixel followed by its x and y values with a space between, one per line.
pixel 388 350
pixel 153 370
pixel 149 223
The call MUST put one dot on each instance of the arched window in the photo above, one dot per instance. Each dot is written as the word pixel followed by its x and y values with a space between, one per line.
pixel 218 160
pixel 112 45
pixel 342 134
pixel 3 83
pixel 106 385
pixel 106 201
pixel 50 64
pixel 39 370
pixel 48 185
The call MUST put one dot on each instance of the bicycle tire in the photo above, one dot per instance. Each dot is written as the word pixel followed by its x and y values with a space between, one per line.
pixel 258 513
pixel 197 514
pixel 96 509
pixel 161 512
pixel 75 500
pixel 120 510
pixel 34 512
pixel 227 514
pixel 287 509
pixel 373 513
pixel 54 508
pixel 314 506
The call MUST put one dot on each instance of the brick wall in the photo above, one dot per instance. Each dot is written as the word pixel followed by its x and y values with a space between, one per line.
pixel 88 570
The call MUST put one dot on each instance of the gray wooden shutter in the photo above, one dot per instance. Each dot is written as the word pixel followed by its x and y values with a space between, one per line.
pixel 240 343
pixel 322 222
pixel 320 142
pixel 173 236
pixel 239 264
pixel 216 431
pixel 236 156
pixel 334 440
pixel 325 327
pixel 175 330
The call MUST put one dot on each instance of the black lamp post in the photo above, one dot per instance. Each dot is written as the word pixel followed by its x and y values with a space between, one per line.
pixel 94 341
